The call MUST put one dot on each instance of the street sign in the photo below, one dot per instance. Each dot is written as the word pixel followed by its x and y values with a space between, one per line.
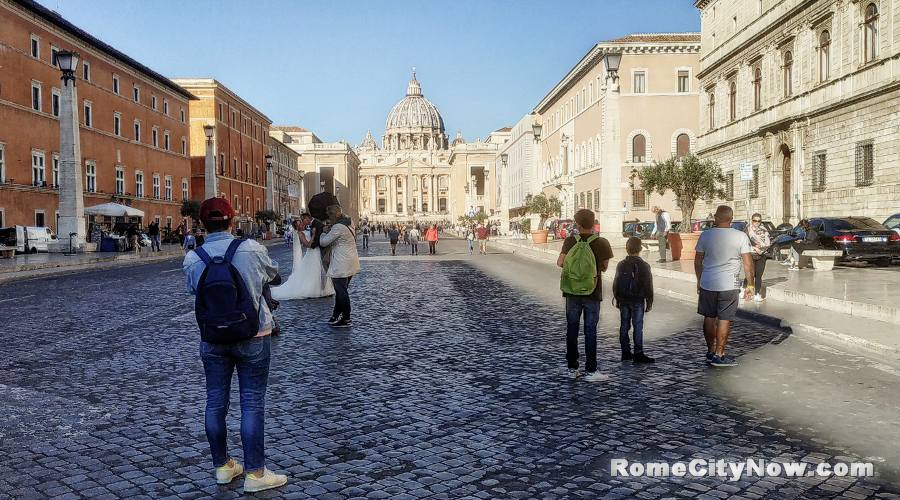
pixel 746 171
pixel 471 214
pixel 624 207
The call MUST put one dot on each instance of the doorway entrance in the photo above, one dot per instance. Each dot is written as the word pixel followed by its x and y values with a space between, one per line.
pixel 786 197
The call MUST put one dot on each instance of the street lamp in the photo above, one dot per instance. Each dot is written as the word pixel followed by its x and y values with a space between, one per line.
pixel 210 182
pixel 71 197
pixel 503 158
pixel 270 184
pixel 536 128
pixel 611 62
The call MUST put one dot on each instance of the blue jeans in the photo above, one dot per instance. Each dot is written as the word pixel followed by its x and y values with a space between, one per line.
pixel 575 306
pixel 251 358
pixel 471 245
pixel 631 314
pixel 365 241
pixel 154 243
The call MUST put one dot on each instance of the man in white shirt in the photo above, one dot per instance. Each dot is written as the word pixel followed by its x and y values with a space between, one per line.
pixel 661 230
pixel 721 251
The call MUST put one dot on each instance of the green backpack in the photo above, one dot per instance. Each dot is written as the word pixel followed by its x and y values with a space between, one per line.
pixel 579 270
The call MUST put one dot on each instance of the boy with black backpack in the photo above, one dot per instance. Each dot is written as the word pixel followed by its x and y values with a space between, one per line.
pixel 582 258
pixel 228 276
pixel 632 290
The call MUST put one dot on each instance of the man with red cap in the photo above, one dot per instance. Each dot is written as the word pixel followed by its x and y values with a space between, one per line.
pixel 251 357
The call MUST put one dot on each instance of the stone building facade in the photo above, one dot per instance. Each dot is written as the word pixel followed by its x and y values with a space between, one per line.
pixel 598 133
pixel 132 121
pixel 418 173
pixel 240 144
pixel 286 180
pixel 808 93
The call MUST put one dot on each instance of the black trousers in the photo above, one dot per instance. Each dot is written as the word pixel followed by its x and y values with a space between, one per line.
pixel 341 297
pixel 431 247
pixel 759 267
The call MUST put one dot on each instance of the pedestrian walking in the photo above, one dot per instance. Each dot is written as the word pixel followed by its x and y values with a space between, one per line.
pixel 633 295
pixel 482 235
pixel 661 230
pixel 582 259
pixel 413 235
pixel 223 349
pixel 759 244
pixel 721 251
pixel 132 233
pixel 394 236
pixel 365 235
pixel 431 236
pixel 153 234
pixel 180 232
pixel 470 238
pixel 288 235
pixel 344 264
pixel 190 241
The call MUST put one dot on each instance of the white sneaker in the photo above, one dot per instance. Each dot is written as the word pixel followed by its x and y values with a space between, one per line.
pixel 595 377
pixel 268 481
pixel 225 474
pixel 573 373
pixel 758 298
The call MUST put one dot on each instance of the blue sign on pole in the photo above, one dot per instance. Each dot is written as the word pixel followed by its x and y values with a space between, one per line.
pixel 471 214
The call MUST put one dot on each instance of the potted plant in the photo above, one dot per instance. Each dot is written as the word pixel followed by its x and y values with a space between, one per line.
pixel 267 217
pixel 545 208
pixel 191 208
pixel 691 179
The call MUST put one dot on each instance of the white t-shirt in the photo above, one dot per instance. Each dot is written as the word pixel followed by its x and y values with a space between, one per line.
pixel 722 248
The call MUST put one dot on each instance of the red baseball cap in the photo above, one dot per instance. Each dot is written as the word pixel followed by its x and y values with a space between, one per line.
pixel 216 209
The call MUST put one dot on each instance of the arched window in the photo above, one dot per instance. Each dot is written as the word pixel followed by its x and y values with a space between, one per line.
pixel 787 71
pixel 712 109
pixel 757 89
pixel 577 163
pixel 871 29
pixel 824 56
pixel 639 149
pixel 590 154
pixel 682 145
pixel 732 101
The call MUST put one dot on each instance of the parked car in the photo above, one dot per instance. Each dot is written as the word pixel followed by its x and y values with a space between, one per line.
pixel 860 238
pixel 27 239
pixel 893 223
pixel 696 225
pixel 774 232
pixel 636 228
pixel 559 227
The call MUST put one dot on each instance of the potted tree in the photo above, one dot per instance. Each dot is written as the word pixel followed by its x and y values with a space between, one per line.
pixel 691 179
pixel 545 208
pixel 267 217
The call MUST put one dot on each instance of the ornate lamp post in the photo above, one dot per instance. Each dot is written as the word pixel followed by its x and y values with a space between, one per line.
pixel 610 209
pixel 210 187
pixel 270 184
pixel 71 223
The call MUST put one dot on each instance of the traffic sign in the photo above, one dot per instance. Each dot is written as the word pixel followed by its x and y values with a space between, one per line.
pixel 471 214
pixel 746 171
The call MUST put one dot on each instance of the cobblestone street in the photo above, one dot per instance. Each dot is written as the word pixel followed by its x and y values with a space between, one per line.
pixel 450 385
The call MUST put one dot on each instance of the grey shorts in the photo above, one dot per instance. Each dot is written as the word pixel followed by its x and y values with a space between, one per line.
pixel 721 305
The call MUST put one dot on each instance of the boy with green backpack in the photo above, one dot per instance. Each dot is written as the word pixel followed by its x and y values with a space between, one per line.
pixel 582 258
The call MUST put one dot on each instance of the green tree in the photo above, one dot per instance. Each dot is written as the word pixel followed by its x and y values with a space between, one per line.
pixel 481 216
pixel 465 219
pixel 267 216
pixel 190 208
pixel 689 177
pixel 543 206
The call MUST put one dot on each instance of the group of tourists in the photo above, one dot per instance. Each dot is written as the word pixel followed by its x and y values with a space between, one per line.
pixel 411 234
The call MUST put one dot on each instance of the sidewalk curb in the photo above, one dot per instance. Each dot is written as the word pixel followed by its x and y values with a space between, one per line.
pixel 845 307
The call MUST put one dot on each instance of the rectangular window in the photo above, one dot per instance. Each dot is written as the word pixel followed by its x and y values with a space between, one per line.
pixel 638 198
pixel 53 51
pixel 117 124
pixel 40 218
pixel 137 94
pixel 54 160
pixel 137 130
pixel 684 81
pixel 115 87
pixel 221 164
pixel 590 200
pixel 182 115
pixel 168 186
pixel 2 167
pixel 166 107
pixel 120 180
pixel 156 186
pixel 729 186
pixel 818 177
pixel 54 102
pixel 86 70
pixel 754 184
pixel 153 102
pixel 184 189
pixel 37 169
pixel 35 46
pixel 139 184
pixel 154 135
pixel 166 140
pixel 90 176
pixel 183 146
pixel 35 95
pixel 220 111
pixel 88 118
pixel 865 163
pixel 597 198
pixel 640 82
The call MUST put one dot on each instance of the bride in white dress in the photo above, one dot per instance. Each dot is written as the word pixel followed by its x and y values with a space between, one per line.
pixel 307 279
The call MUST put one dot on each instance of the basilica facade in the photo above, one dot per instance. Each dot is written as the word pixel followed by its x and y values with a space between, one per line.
pixel 418 173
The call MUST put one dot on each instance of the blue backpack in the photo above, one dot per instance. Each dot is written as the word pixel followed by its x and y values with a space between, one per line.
pixel 226 312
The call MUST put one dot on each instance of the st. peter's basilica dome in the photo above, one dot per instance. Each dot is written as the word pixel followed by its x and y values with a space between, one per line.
pixel 414 122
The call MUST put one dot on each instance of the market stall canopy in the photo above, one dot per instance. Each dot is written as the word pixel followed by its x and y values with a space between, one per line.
pixel 114 210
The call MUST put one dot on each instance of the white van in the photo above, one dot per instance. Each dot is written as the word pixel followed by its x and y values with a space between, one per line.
pixel 27 239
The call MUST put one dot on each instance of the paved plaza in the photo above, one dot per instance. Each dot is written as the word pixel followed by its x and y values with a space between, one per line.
pixel 450 385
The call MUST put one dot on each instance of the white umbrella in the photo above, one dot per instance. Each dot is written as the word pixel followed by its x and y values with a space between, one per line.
pixel 114 210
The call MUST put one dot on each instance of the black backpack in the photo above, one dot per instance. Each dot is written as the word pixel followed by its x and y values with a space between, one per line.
pixel 627 287
pixel 226 312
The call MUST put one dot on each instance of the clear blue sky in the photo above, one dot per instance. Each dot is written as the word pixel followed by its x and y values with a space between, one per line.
pixel 338 67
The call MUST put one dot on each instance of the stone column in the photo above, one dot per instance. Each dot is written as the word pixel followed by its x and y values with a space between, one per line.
pixel 71 192
pixel 610 214
pixel 209 185
pixel 374 206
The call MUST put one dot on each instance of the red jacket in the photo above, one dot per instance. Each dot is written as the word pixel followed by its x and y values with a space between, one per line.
pixel 431 234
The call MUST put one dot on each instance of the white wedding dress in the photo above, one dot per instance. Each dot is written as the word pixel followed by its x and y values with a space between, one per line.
pixel 307 279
